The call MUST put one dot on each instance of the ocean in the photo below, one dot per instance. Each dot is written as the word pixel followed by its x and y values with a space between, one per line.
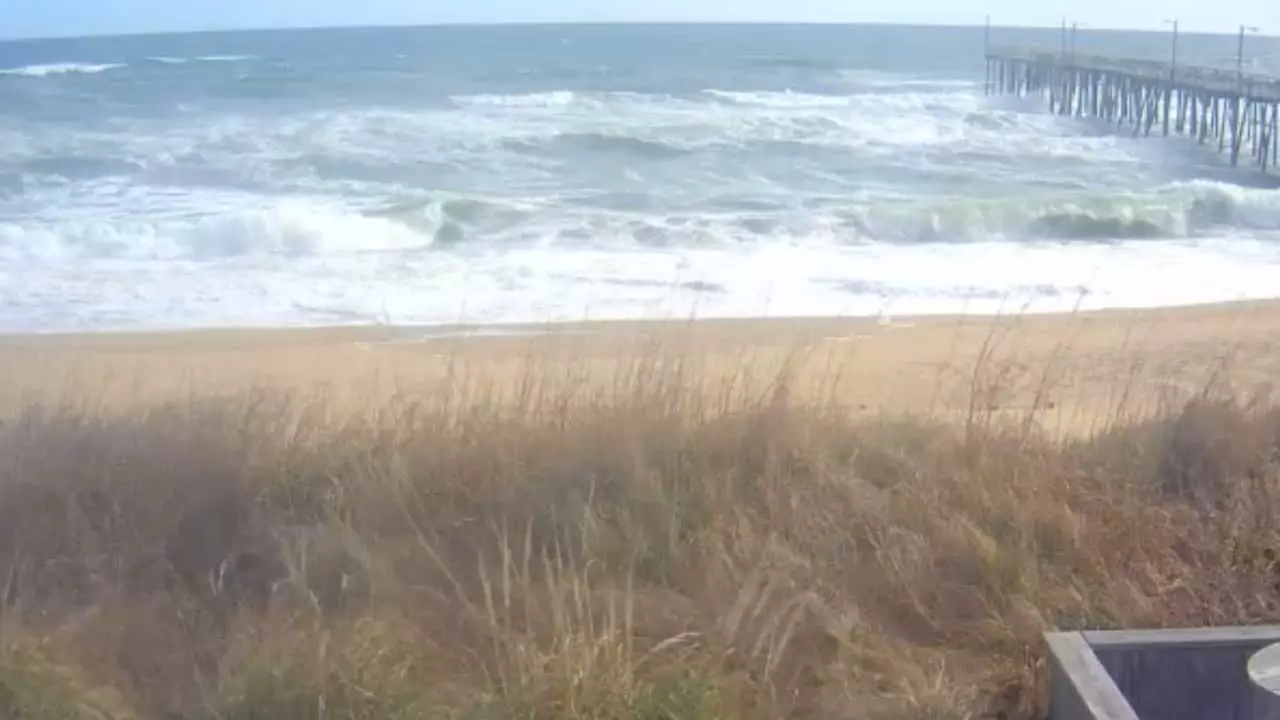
pixel 493 175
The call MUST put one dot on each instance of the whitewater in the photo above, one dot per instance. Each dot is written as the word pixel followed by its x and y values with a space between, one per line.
pixel 502 175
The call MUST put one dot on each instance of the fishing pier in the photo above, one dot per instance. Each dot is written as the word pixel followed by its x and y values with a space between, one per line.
pixel 1240 112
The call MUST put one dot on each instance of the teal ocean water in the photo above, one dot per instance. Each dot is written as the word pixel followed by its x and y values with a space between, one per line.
pixel 502 174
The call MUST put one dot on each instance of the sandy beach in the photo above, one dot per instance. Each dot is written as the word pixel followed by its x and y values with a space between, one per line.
pixel 1077 369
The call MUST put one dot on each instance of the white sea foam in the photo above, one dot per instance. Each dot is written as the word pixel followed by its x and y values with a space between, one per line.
pixel 562 284
pixel 61 69
pixel 900 101
pixel 782 99
pixel 169 60
pixel 554 99
pixel 875 79
pixel 225 58
pixel 482 131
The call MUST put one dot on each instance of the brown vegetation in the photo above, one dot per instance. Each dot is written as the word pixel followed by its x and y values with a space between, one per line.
pixel 649 553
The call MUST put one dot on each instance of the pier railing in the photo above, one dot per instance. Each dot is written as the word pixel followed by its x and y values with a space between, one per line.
pixel 1264 87
pixel 1239 110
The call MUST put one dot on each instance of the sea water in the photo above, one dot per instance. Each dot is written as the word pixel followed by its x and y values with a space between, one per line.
pixel 555 173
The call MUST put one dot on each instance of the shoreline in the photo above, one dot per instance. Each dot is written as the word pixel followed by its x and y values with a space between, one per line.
pixel 515 330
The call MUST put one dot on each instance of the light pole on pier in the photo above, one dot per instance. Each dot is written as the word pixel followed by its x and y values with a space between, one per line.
pixel 1173 66
pixel 1240 50
pixel 1075 28
pixel 1173 79
pixel 1237 114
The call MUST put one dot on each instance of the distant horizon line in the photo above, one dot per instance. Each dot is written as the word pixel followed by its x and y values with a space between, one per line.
pixel 588 23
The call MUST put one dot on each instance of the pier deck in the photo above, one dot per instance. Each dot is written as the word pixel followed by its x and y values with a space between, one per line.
pixel 1238 111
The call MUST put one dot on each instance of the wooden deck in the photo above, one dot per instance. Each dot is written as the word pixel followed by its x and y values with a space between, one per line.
pixel 1176 674
pixel 1239 111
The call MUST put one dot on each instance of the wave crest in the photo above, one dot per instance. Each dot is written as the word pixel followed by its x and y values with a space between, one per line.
pixel 291 230
pixel 1178 210
pixel 67 68
pixel 599 144
pixel 554 99
pixel 168 60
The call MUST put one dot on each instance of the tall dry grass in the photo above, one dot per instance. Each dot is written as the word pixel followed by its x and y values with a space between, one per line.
pixel 648 548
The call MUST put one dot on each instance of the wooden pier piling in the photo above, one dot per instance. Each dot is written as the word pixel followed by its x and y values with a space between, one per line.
pixel 1240 111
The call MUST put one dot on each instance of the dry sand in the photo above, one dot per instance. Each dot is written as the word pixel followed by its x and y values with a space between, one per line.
pixel 1080 369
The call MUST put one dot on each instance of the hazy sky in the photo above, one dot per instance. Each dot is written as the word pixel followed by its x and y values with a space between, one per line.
pixel 39 18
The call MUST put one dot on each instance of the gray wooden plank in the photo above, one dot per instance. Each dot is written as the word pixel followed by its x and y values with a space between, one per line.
pixel 1080 688
pixel 1254 636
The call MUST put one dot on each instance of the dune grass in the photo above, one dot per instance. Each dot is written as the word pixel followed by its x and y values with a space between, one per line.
pixel 659 550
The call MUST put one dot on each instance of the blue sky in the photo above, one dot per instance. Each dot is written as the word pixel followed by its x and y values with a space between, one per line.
pixel 43 18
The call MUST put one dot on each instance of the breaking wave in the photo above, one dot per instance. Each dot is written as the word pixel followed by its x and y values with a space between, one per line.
pixel 300 229
pixel 1178 210
pixel 169 60
pixel 601 144
pixel 67 68
pixel 553 99
pixel 286 230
